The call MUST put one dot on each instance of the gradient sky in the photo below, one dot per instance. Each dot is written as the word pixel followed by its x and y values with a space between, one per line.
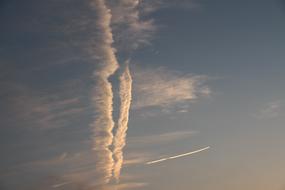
pixel 205 73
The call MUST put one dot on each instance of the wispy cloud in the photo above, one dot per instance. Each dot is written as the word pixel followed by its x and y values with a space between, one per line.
pixel 42 109
pixel 131 24
pixel 122 126
pixel 161 87
pixel 102 94
pixel 131 30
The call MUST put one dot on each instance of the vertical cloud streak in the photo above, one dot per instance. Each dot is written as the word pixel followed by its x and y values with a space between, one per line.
pixel 120 136
pixel 103 95
pixel 129 30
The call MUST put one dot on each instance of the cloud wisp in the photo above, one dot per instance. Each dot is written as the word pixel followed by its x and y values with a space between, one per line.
pixel 177 156
pixel 60 184
pixel 163 88
pixel 120 24
pixel 45 110
pixel 122 126
pixel 103 124
pixel 131 30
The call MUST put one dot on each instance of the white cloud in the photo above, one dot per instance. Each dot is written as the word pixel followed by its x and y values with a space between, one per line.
pixel 163 88
pixel 119 140
pixel 102 94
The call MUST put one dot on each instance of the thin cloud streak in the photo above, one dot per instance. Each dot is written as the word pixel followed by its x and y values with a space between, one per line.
pixel 120 137
pixel 60 184
pixel 110 161
pixel 177 156
pixel 160 87
pixel 103 94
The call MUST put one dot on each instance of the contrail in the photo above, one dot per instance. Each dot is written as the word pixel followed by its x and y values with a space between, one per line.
pixel 109 161
pixel 120 136
pixel 178 156
pixel 60 184
pixel 103 95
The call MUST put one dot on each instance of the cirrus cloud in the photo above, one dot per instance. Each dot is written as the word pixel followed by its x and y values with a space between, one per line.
pixel 163 88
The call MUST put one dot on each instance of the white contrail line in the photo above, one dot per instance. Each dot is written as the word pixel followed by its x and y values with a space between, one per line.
pixel 102 97
pixel 120 136
pixel 60 184
pixel 178 156
pixel 156 161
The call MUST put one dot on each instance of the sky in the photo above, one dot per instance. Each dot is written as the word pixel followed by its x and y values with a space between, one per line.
pixel 94 92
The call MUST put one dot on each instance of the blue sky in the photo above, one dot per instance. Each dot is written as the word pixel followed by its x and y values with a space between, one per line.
pixel 203 73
